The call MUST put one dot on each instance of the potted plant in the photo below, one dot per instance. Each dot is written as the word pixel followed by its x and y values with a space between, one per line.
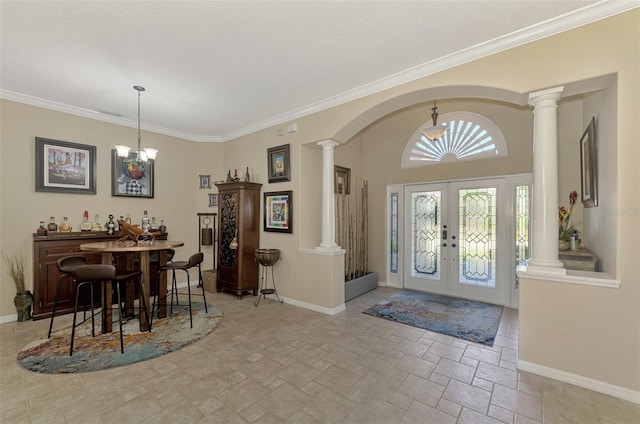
pixel 16 267
pixel 566 228
pixel 353 236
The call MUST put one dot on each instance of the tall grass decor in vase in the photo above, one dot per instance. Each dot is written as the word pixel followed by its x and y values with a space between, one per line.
pixel 16 267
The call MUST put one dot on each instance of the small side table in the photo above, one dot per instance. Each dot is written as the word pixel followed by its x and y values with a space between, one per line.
pixel 581 259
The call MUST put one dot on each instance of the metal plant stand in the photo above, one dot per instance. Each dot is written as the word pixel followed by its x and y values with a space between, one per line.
pixel 267 258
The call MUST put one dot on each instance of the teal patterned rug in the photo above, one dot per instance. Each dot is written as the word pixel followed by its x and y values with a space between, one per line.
pixel 465 319
pixel 51 356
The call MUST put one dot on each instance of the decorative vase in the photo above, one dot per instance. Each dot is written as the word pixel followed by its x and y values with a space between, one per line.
pixel 23 302
pixel 563 245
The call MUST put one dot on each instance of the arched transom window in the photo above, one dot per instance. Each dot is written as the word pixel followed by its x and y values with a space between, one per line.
pixel 469 136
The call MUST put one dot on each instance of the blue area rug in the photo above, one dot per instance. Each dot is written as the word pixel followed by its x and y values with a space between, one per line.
pixel 51 356
pixel 466 319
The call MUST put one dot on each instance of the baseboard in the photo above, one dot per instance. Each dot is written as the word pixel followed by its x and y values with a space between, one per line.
pixel 9 318
pixel 578 380
pixel 305 305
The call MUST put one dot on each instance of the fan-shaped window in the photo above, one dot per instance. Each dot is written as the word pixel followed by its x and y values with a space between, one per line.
pixel 469 136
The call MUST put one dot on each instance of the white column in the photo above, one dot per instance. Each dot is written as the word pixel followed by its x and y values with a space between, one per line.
pixel 328 197
pixel 544 257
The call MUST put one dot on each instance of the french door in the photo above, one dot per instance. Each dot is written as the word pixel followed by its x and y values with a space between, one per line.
pixel 454 239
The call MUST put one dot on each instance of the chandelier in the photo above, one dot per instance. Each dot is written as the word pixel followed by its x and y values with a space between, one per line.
pixel 145 154
pixel 435 131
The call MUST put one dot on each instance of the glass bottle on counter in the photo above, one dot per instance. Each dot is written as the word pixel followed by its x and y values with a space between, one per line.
pixel 154 224
pixel 145 222
pixel 97 226
pixel 41 231
pixel 85 224
pixel 162 228
pixel 52 225
pixel 110 225
pixel 65 227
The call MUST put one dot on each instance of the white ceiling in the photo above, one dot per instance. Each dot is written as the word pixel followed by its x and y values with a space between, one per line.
pixel 215 70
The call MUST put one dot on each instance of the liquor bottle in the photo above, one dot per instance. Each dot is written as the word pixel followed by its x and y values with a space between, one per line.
pixel 41 231
pixel 52 225
pixel 162 228
pixel 65 227
pixel 85 225
pixel 154 224
pixel 246 175
pixel 128 218
pixel 110 225
pixel 145 222
pixel 97 226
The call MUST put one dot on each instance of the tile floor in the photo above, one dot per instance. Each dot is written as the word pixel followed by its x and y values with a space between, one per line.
pixel 283 364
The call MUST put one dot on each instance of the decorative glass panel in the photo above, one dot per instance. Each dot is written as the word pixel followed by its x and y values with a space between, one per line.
pixel 425 231
pixel 394 233
pixel 522 222
pixel 477 236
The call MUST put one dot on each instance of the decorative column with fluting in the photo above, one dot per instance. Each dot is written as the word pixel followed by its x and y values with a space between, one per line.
pixel 328 197
pixel 544 257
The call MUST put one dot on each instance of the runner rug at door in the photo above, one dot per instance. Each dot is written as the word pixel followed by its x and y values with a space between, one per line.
pixel 466 319
pixel 51 356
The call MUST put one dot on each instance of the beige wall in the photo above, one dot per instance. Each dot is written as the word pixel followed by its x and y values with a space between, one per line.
pixel 553 317
pixel 177 196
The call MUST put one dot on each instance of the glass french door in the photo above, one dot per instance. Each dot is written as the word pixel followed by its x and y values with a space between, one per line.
pixel 454 239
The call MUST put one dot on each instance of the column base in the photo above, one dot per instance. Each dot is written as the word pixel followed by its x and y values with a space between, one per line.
pixel 546 266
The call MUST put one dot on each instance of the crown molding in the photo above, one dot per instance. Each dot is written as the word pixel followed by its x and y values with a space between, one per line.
pixel 586 15
pixel 568 21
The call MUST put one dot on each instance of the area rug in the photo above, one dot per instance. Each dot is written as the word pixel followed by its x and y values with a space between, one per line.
pixel 465 319
pixel 51 356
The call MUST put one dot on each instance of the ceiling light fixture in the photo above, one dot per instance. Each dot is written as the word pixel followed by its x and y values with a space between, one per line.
pixel 145 154
pixel 435 131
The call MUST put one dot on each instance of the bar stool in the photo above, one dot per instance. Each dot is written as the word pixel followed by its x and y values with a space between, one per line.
pixel 101 273
pixel 67 267
pixel 195 260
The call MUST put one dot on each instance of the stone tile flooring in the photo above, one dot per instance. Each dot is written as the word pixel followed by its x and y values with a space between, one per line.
pixel 283 364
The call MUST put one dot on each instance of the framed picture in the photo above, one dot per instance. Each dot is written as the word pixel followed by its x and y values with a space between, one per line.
pixel 588 166
pixel 205 181
pixel 278 211
pixel 65 167
pixel 213 199
pixel 279 164
pixel 342 180
pixel 131 178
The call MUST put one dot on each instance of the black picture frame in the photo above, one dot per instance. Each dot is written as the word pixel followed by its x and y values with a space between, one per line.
pixel 589 166
pixel 205 181
pixel 131 178
pixel 65 167
pixel 279 164
pixel 278 211
pixel 342 180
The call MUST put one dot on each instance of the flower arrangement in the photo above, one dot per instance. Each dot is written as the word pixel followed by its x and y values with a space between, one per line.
pixel 566 227
pixel 16 264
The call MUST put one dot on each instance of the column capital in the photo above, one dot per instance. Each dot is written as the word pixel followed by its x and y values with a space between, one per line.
pixel 328 144
pixel 549 94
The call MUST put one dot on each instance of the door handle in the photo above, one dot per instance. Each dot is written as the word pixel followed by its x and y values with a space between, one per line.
pixel 444 234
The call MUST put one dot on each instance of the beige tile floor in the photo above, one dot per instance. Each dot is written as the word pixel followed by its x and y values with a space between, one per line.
pixel 283 364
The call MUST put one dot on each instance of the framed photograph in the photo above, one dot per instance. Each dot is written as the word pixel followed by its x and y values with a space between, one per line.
pixel 342 180
pixel 65 167
pixel 278 211
pixel 588 166
pixel 205 181
pixel 131 178
pixel 213 199
pixel 279 164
